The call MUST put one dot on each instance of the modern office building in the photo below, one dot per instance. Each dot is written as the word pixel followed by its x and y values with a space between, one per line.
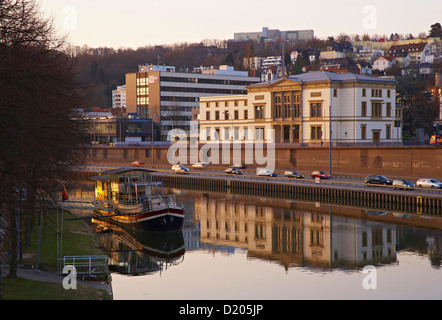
pixel 168 97
pixel 310 108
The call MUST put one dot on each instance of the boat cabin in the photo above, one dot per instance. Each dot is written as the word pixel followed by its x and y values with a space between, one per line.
pixel 127 187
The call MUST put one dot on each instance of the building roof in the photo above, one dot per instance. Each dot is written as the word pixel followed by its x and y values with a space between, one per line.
pixel 318 76
pixel 105 174
pixel 388 58
pixel 344 63
pixel 412 47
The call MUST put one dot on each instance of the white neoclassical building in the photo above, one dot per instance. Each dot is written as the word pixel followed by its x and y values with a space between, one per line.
pixel 310 108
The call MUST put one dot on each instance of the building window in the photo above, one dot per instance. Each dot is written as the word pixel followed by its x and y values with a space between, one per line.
pixel 226 133
pixel 207 115
pixel 296 110
pixel 236 115
pixel 316 133
pixel 388 132
pixel 376 109
pixel 259 112
pixel 259 134
pixel 388 93
pixel 376 93
pixel 278 107
pixel 363 132
pixel 287 111
pixel 277 111
pixel 335 93
pixel 364 92
pixel 246 134
pixel 364 109
pixel 388 109
pixel 236 133
pixel 246 114
pixel 315 109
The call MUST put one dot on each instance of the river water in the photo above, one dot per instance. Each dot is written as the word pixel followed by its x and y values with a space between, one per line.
pixel 236 247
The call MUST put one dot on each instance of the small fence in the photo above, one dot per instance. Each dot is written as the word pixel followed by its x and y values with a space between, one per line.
pixel 86 265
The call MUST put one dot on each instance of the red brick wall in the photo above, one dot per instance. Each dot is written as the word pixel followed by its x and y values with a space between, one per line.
pixel 406 162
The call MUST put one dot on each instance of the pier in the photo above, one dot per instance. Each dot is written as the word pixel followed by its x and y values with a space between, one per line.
pixel 420 201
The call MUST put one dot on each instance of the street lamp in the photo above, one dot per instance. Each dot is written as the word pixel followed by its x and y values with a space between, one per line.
pixel 330 138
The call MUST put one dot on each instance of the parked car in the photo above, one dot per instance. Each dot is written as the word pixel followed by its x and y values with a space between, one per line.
pixel 201 165
pixel 179 168
pixel 239 166
pixel 137 163
pixel 320 174
pixel 428 183
pixel 233 171
pixel 436 140
pixel 378 179
pixel 293 174
pixel 403 184
pixel 266 172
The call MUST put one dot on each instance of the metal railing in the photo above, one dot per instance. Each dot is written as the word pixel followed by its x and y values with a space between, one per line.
pixel 86 265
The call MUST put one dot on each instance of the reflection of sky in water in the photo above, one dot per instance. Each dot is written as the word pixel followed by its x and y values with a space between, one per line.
pixel 225 277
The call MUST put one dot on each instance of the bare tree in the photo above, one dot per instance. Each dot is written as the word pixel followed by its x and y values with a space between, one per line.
pixel 38 98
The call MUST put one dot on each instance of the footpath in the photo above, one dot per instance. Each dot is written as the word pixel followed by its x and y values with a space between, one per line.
pixel 49 276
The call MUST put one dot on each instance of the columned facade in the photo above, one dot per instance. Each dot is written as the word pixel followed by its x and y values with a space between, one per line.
pixel 314 108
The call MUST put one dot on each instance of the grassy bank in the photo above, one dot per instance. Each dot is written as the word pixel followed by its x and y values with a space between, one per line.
pixel 78 239
pixel 24 289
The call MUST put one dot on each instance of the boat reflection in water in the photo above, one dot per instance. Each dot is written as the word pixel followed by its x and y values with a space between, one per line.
pixel 139 252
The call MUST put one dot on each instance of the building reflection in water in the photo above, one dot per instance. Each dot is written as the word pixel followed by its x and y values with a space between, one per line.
pixel 295 235
pixel 292 234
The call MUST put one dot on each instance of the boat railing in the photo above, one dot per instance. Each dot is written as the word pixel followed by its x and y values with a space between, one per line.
pixel 169 199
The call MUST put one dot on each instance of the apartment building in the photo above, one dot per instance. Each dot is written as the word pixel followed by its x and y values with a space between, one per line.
pixel 119 97
pixel 310 108
pixel 276 35
pixel 418 52
pixel 168 97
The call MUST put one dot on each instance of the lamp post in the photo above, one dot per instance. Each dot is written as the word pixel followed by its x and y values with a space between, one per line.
pixel 330 138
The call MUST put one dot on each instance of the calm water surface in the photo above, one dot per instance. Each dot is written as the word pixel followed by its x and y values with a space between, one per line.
pixel 241 247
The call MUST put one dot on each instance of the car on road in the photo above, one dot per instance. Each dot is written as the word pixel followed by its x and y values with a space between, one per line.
pixel 179 168
pixel 266 172
pixel 137 163
pixel 378 179
pixel 320 174
pixel 403 184
pixel 428 183
pixel 233 171
pixel 200 165
pixel 436 140
pixel 293 174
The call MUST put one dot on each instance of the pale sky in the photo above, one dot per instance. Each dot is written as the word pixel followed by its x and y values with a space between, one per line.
pixel 137 23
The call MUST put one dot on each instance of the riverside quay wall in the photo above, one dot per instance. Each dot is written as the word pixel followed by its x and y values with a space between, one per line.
pixel 407 162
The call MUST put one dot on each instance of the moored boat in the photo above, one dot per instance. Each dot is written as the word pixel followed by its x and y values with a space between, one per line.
pixel 134 200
